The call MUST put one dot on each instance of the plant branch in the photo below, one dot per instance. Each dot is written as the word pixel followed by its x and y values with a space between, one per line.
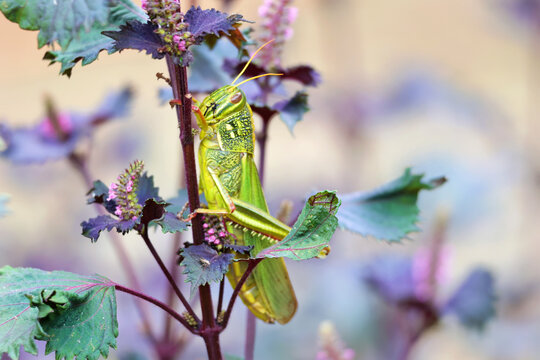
pixel 220 298
pixel 174 267
pixel 158 303
pixel 251 265
pixel 80 164
pixel 178 76
pixel 168 275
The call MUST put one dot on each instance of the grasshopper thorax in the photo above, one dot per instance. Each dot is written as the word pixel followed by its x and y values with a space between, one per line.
pixel 227 113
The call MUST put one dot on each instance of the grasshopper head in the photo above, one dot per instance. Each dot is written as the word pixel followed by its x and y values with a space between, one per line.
pixel 221 103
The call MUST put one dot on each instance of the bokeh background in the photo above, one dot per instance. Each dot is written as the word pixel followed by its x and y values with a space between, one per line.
pixel 449 88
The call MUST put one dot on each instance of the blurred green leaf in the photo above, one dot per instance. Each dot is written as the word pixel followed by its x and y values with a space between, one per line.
pixel 388 212
pixel 311 232
pixel 74 314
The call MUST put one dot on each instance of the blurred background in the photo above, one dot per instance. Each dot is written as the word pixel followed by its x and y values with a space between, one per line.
pixel 449 88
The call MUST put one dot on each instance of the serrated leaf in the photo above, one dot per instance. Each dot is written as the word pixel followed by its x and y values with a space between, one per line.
pixel 291 111
pixel 146 189
pixel 59 20
pixel 94 226
pixel 78 313
pixel 203 265
pixel 99 194
pixel 209 21
pixel 86 44
pixel 388 212
pixel 241 249
pixel 311 232
pixel 138 36
pixel 474 301
pixel 169 223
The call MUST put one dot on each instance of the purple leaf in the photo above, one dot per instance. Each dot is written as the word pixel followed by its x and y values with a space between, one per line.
pixel 474 301
pixel 391 277
pixel 40 143
pixel 209 21
pixel 93 227
pixel 146 189
pixel 292 110
pixel 139 36
pixel 203 265
pixel 170 223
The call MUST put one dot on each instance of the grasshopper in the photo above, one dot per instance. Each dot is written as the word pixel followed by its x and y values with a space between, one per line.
pixel 233 191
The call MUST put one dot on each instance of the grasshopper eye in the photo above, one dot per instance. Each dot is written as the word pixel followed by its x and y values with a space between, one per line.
pixel 235 99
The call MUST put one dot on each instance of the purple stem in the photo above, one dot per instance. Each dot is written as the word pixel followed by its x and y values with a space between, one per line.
pixel 251 265
pixel 178 76
pixel 158 303
pixel 168 275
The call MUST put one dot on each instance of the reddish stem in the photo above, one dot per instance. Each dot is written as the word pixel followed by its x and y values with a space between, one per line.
pixel 178 76
pixel 168 275
pixel 158 303
pixel 251 265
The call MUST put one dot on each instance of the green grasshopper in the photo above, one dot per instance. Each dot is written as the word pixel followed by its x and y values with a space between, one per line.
pixel 231 185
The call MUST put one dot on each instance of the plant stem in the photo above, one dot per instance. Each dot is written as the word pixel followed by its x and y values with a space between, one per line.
pixel 80 163
pixel 251 265
pixel 158 303
pixel 178 76
pixel 174 267
pixel 251 330
pixel 168 275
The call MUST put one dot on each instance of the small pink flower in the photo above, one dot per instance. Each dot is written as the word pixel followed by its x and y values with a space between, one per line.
pixel 292 14
pixel 288 33
pixel 205 226
pixel 134 217
pixel 129 186
pixel 212 238
pixel 182 45
pixel 211 231
pixel 118 211
pixel 222 234
pixel 144 4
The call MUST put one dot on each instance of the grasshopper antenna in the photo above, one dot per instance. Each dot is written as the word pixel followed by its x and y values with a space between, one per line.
pixel 247 64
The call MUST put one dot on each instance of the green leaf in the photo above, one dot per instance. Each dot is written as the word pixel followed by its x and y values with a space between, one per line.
pixel 311 232
pixel 75 314
pixel 388 212
pixel 202 265
pixel 86 44
pixel 57 21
